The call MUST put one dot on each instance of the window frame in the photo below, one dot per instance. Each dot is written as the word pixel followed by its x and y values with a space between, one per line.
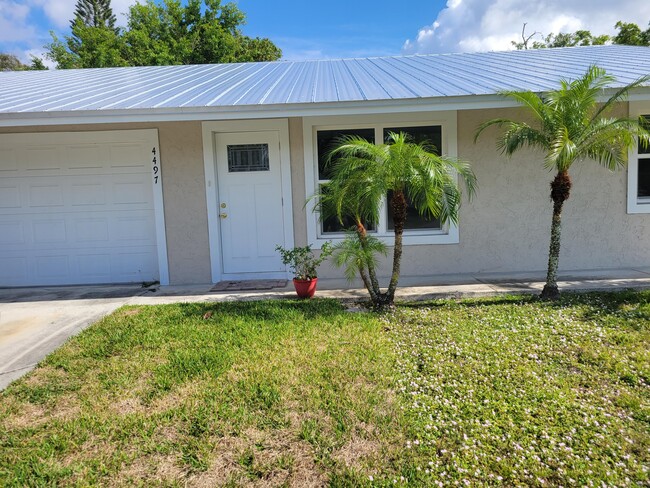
pixel 447 120
pixel 636 205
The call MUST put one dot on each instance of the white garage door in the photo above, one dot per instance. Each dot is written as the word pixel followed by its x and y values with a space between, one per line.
pixel 78 208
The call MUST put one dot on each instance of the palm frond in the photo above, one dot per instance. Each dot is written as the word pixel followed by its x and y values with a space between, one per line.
pixel 354 258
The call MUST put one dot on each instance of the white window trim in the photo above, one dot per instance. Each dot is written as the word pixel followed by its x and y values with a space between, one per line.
pixel 447 120
pixel 634 204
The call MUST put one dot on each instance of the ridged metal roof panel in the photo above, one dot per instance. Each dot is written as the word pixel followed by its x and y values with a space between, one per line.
pixel 308 82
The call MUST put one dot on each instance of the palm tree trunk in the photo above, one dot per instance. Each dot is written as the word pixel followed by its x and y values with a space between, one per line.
pixel 560 191
pixel 398 201
pixel 370 280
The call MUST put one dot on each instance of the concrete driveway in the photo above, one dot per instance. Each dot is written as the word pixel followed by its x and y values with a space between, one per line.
pixel 35 321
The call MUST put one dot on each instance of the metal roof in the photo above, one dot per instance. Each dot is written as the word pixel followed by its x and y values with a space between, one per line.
pixel 308 82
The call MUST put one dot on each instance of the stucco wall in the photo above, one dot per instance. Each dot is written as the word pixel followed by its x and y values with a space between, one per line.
pixel 181 156
pixel 296 143
pixel 505 229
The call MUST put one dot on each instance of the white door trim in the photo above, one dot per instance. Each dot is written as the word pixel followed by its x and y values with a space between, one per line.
pixel 211 188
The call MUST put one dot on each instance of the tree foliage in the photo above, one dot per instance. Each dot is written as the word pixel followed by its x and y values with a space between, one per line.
pixel 167 33
pixel 363 175
pixel 628 34
pixel 94 13
pixel 9 62
pixel 571 124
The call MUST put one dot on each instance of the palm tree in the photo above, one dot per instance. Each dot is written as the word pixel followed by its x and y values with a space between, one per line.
pixel 570 124
pixel 364 174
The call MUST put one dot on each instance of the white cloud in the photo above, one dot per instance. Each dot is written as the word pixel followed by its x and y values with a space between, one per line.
pixel 60 12
pixel 19 34
pixel 489 25
pixel 13 21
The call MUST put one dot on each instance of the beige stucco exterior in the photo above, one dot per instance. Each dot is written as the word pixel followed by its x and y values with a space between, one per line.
pixel 505 229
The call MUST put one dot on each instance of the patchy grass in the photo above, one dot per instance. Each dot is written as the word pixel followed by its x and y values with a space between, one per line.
pixel 506 391
pixel 515 391
pixel 268 394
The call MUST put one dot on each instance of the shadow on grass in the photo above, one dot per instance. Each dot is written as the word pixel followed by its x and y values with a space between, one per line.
pixel 597 302
pixel 267 311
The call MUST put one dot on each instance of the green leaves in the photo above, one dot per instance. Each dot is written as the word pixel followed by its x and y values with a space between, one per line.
pixel 302 261
pixel 570 124
pixel 167 33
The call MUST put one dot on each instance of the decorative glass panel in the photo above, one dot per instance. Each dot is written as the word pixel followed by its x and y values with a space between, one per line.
pixel 248 157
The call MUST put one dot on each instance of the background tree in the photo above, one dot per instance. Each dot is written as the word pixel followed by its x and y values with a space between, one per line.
pixel 88 47
pixel 631 34
pixel 570 125
pixel 628 34
pixel 94 13
pixel 161 34
pixel 363 174
pixel 9 62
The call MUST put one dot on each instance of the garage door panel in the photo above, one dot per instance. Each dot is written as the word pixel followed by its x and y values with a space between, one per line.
pixel 94 267
pixel 12 232
pixel 129 156
pixel 13 270
pixel 95 230
pixel 46 195
pixel 132 192
pixel 86 157
pixel 8 161
pixel 135 266
pixel 47 232
pixel 10 196
pixel 41 158
pixel 87 194
pixel 75 211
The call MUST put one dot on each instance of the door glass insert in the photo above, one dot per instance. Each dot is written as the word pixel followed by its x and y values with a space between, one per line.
pixel 248 157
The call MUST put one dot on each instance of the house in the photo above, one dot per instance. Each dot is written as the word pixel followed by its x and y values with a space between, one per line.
pixel 193 174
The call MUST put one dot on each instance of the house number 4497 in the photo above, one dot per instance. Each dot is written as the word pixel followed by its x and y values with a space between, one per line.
pixel 155 167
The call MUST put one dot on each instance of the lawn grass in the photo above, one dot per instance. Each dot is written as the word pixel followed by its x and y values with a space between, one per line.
pixel 504 391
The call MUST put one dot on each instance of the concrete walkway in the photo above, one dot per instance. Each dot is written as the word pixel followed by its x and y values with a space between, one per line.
pixel 35 321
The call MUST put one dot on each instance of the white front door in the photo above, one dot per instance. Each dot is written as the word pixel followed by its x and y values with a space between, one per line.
pixel 250 203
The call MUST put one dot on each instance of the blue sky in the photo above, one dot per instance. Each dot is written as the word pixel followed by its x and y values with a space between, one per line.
pixel 354 28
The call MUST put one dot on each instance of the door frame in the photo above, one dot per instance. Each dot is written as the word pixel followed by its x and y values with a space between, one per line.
pixel 209 129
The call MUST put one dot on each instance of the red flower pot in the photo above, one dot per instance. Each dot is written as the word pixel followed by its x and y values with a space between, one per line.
pixel 305 288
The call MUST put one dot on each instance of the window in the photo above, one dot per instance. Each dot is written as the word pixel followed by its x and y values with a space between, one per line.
pixel 638 183
pixel 326 139
pixel 422 134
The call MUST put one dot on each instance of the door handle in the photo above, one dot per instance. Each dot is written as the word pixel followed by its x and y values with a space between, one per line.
pixel 223 215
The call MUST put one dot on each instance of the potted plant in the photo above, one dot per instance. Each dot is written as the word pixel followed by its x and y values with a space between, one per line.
pixel 303 263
